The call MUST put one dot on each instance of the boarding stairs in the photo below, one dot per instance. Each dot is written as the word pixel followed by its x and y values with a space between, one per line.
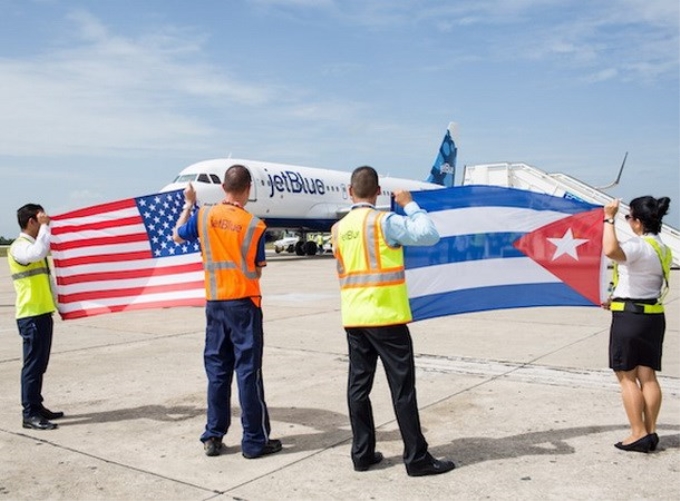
pixel 526 177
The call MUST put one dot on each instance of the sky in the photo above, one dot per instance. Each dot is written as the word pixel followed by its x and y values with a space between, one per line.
pixel 103 100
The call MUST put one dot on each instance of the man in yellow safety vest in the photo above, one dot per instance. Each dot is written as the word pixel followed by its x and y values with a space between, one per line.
pixel 35 305
pixel 367 244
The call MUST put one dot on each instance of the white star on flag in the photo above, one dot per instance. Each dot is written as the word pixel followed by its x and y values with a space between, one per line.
pixel 567 245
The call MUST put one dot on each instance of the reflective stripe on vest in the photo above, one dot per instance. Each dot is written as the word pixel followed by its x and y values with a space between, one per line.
pixel 371 273
pixel 633 307
pixel 666 259
pixel 230 238
pixel 32 286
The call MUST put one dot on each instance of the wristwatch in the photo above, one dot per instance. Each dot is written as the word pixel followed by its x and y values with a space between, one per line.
pixel 609 220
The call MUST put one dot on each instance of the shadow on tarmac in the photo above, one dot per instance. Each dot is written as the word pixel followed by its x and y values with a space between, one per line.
pixel 470 450
pixel 154 412
pixel 331 429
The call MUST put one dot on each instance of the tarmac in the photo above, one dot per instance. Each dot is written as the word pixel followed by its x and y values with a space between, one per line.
pixel 522 400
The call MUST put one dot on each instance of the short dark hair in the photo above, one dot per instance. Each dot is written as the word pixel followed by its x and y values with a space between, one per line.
pixel 26 213
pixel 650 211
pixel 237 179
pixel 364 181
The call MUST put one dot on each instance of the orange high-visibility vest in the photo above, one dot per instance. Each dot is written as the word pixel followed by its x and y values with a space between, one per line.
pixel 229 237
pixel 372 278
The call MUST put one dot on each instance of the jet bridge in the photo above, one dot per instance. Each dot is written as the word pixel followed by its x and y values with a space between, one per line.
pixel 526 177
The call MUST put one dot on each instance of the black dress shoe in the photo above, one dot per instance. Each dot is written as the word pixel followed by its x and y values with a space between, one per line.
pixel 48 414
pixel 212 446
pixel 642 445
pixel 430 467
pixel 377 457
pixel 272 446
pixel 38 423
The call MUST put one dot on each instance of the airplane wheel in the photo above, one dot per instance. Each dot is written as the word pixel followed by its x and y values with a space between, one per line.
pixel 310 248
pixel 300 249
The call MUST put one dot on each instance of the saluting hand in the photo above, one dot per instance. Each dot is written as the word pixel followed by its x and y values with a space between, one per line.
pixel 42 218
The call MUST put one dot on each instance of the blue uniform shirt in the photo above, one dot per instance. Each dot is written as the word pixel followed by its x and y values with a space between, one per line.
pixel 415 228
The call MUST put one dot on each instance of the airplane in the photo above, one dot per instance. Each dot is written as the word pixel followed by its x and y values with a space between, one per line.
pixel 306 199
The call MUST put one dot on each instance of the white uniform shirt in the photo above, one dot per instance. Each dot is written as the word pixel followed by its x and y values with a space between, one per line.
pixel 640 275
pixel 34 250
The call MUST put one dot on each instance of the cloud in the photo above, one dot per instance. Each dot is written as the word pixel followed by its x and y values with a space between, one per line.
pixel 636 38
pixel 107 93
pixel 603 75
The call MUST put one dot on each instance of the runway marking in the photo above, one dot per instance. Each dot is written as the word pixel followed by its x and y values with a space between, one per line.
pixel 531 373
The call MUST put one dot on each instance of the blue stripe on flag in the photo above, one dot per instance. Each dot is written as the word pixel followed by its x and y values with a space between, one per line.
pixel 496 298
pixel 461 248
pixel 485 196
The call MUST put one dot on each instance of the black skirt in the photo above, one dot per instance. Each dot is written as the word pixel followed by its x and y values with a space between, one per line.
pixel 636 339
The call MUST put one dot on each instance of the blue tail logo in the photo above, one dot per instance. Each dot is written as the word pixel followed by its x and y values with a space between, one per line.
pixel 444 168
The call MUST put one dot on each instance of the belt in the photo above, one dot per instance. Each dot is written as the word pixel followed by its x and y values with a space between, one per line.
pixel 631 306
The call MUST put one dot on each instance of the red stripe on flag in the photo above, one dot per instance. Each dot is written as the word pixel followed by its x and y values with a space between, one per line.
pixel 97 209
pixel 128 292
pixel 101 225
pixel 100 310
pixel 130 274
pixel 104 258
pixel 101 241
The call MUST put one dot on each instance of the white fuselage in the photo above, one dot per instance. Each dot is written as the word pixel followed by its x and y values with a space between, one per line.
pixel 288 196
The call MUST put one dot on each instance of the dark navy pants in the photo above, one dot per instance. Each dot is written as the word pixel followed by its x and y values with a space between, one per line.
pixel 37 343
pixel 234 344
pixel 393 345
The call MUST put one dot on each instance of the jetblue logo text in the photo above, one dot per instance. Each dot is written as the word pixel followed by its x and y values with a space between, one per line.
pixel 225 224
pixel 294 182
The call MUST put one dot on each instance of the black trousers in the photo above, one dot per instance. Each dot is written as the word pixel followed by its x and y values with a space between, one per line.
pixel 393 345
pixel 37 344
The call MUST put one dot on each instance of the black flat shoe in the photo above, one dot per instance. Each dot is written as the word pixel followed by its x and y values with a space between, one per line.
pixel 38 423
pixel 655 441
pixel 642 445
pixel 377 457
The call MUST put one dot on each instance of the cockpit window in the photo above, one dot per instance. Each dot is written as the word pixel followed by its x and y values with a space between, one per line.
pixel 203 178
pixel 185 178
pixel 215 179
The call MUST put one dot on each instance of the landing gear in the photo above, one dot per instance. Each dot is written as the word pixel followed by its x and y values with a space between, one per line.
pixel 308 248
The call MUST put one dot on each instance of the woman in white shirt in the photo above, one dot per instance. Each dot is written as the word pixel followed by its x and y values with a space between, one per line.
pixel 641 267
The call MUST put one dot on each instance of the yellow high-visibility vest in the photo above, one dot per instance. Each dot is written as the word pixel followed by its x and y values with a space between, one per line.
pixel 32 286
pixel 666 259
pixel 372 278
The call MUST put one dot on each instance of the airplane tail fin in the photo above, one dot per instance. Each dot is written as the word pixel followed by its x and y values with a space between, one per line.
pixel 444 169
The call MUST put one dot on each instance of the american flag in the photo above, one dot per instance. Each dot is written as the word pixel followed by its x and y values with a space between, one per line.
pixel 120 256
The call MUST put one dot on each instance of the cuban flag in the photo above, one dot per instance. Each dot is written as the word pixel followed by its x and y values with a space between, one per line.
pixel 505 248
